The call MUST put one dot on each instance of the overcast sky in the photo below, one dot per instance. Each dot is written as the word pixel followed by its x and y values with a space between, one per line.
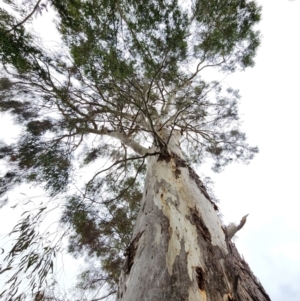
pixel 268 187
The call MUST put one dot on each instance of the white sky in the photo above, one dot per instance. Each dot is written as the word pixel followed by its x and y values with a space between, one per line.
pixel 268 187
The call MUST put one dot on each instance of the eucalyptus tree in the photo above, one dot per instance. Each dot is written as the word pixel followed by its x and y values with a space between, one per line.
pixel 128 86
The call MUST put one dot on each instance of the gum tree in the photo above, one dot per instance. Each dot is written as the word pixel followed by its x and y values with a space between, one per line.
pixel 127 86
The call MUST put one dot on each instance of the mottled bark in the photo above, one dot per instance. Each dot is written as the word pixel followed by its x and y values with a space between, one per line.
pixel 180 250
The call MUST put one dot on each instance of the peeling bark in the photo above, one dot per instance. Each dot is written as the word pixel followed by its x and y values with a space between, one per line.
pixel 179 249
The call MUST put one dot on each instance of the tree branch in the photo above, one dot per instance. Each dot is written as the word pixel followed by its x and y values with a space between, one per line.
pixel 120 136
pixel 26 19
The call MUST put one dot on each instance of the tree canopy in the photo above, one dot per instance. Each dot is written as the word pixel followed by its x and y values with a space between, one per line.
pixel 125 70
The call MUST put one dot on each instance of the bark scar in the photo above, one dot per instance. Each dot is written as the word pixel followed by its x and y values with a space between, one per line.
pixel 198 222
pixel 130 252
pixel 200 278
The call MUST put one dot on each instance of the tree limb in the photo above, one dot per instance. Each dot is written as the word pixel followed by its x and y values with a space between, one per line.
pixel 120 136
pixel 26 19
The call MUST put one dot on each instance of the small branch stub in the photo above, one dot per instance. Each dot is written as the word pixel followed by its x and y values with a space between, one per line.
pixel 232 228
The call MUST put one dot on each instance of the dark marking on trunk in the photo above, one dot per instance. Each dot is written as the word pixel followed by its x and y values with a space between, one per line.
pixel 200 278
pixel 179 276
pixel 164 155
pixel 177 173
pixel 179 163
pixel 143 206
pixel 198 222
pixel 130 252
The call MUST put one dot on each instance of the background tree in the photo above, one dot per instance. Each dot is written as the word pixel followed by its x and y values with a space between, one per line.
pixel 126 87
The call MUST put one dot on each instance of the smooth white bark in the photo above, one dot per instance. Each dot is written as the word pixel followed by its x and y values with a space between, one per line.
pixel 179 249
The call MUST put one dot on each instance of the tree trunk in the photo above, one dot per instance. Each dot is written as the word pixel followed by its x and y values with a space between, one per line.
pixel 179 250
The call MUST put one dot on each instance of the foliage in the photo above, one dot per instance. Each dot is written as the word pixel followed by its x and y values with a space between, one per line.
pixel 125 69
pixel 32 256
pixel 107 234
